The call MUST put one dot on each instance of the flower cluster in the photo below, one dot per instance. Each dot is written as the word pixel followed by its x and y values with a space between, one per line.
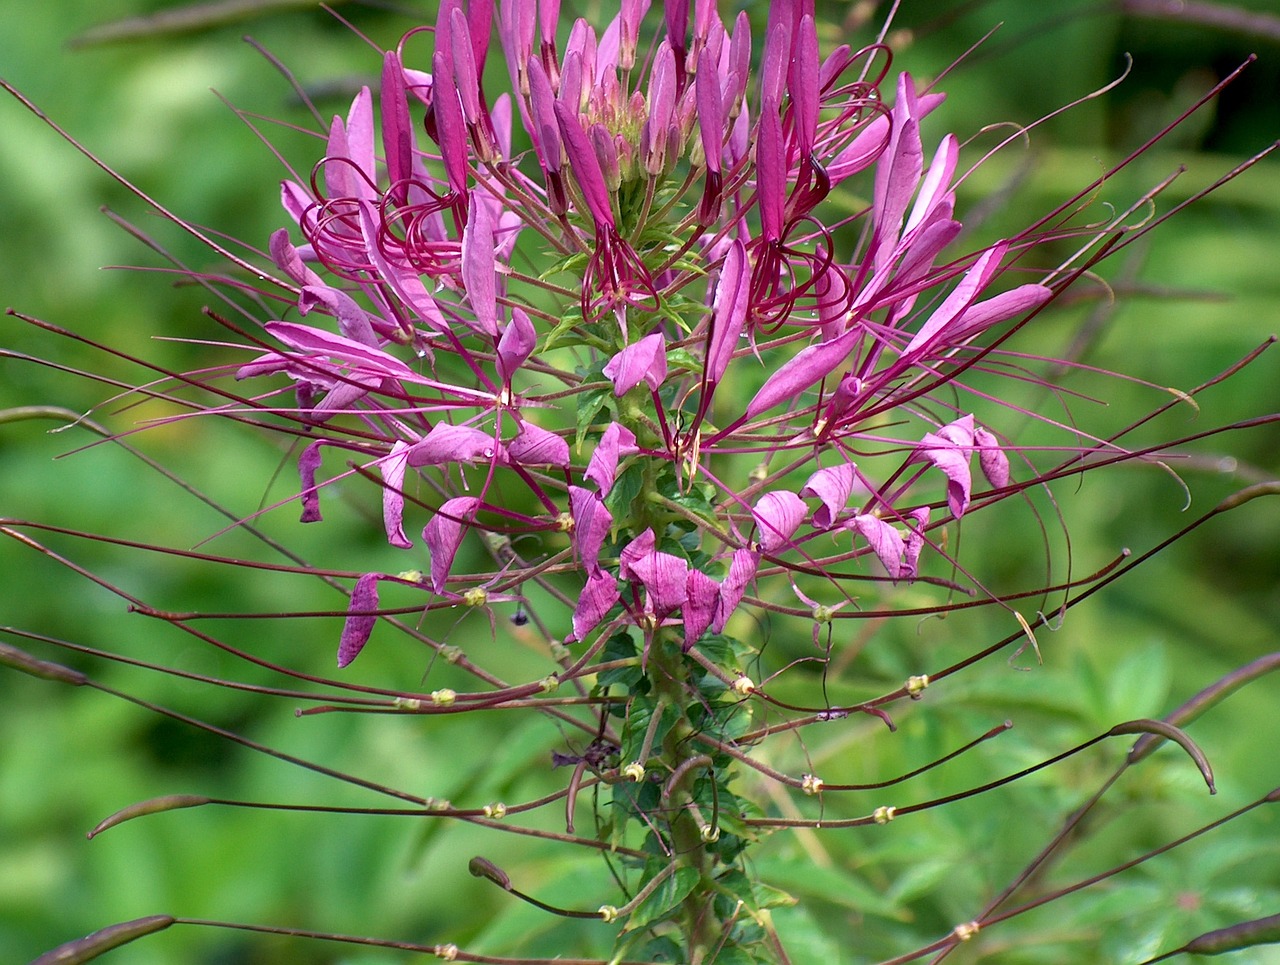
pixel 574 295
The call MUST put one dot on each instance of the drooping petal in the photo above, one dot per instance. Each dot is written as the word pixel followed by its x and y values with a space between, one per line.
pixel 353 321
pixel 917 520
pixel 535 446
pixel 360 621
pixel 886 542
pixel 949 450
pixel 598 597
pixel 591 524
pixel 308 465
pixel 702 594
pixel 449 443
pixel 742 570
pixel 642 361
pixel 778 515
pixel 393 472
pixel 663 575
pixel 991 458
pixel 443 535
pixel 833 486
pixel 617 442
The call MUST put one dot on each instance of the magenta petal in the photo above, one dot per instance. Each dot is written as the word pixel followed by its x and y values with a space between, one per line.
pixel 444 533
pixel 289 260
pixel 991 458
pixel 479 267
pixel 778 514
pixel 977 318
pixel 546 129
pixel 810 365
pixel 353 321
pixel 803 83
pixel 833 486
pixel 710 104
pixel 393 470
pixel 314 341
pixel 729 311
pixel 771 175
pixel 397 127
pixel 617 442
pixel 637 549
pixel 961 297
pixel 917 520
pixel 949 449
pixel 643 361
pixel 663 575
pixel 308 464
pixel 742 570
pixel 582 158
pixel 886 542
pixel 464 65
pixel 702 594
pixel 449 443
pixel 518 341
pixel 535 446
pixel 598 597
pixel 662 102
pixel 359 624
pixel 591 524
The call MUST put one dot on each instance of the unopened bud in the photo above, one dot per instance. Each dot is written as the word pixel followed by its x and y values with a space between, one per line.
pixel 811 784
pixel 916 685
pixel 608 913
pixel 883 815
pixel 744 686
pixel 634 772
pixel 495 811
pixel 443 698
pixel 966 931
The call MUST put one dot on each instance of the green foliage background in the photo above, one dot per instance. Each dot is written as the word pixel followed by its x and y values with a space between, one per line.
pixel 1207 291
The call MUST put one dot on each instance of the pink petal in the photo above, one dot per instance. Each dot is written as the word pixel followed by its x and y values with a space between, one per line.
pixel 359 623
pixel 810 365
pixel 729 311
pixel 308 464
pixel 616 442
pixel 535 446
pixel 886 542
pixel 591 523
pixel 598 597
pixel 702 595
pixel 518 341
pixel 479 267
pixel 444 533
pixel 642 361
pixel 393 470
pixel 449 443
pixel 742 570
pixel 992 459
pixel 917 520
pixel 778 515
pixel 833 486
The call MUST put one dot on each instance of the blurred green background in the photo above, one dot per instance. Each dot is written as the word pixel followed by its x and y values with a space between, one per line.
pixel 70 757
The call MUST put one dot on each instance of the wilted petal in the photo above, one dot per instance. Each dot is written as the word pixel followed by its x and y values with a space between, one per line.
pixel 638 548
pixel 643 361
pixel 833 486
pixel 535 446
pixel 742 570
pixel 308 465
pixel 778 515
pixel 598 597
pixel 444 534
pixel 991 458
pixel 702 594
pixel 518 341
pixel 949 449
pixel 591 523
pixel 810 365
pixel 617 442
pixel 886 542
pixel 663 575
pixel 359 624
pixel 393 470
pixel 450 443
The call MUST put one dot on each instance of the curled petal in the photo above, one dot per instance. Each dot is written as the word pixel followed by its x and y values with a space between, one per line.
pixel 617 442
pixel 479 266
pixel 778 514
pixel 917 520
pixel 886 542
pixel 949 449
pixel 308 465
pixel 991 458
pixel 443 535
pixel 729 310
pixel 663 575
pixel 833 486
pixel 643 361
pixel 353 321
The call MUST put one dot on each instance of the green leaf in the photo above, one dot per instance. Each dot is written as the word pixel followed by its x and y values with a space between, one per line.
pixel 665 899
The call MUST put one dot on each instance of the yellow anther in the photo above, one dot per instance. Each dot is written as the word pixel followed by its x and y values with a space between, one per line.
pixel 549 684
pixel 709 833
pixel 407 703
pixel 811 784
pixel 634 771
pixel 476 596
pixel 447 952
pixel 916 685
pixel 411 576
pixel 564 522
pixel 443 698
